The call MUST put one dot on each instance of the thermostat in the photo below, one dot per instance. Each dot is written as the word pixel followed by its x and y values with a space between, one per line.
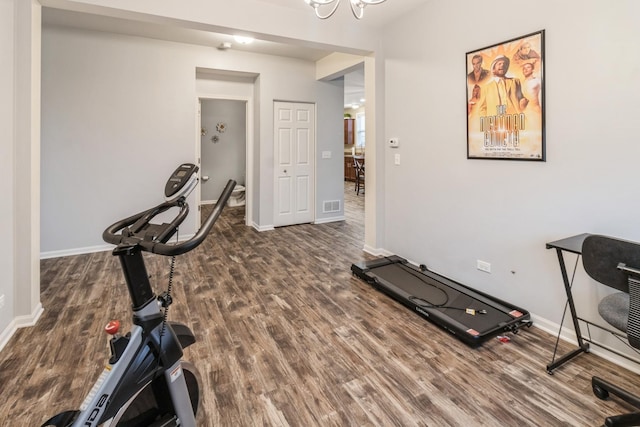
pixel 394 143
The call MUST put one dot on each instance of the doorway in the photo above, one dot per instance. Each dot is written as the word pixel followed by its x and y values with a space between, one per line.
pixel 222 148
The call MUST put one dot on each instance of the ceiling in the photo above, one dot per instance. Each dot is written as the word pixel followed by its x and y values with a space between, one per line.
pixel 66 18
pixel 375 16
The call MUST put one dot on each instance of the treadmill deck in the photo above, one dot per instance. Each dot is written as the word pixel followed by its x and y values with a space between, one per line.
pixel 470 315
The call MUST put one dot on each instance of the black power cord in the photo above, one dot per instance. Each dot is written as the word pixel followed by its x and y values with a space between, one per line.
pixel 421 302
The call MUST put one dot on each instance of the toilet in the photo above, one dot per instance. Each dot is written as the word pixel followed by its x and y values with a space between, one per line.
pixel 237 197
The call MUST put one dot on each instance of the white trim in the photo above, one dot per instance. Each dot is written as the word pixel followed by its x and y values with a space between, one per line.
pixel 332 219
pixel 566 334
pixel 208 202
pixel 248 177
pixel 553 328
pixel 263 227
pixel 569 335
pixel 75 251
pixel 541 323
pixel 198 161
pixel 20 322
pixel 93 249
pixel 376 251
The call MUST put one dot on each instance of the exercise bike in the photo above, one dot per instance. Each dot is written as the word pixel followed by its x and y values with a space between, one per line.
pixel 146 382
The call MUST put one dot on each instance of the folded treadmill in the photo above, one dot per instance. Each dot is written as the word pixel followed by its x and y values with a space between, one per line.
pixel 470 315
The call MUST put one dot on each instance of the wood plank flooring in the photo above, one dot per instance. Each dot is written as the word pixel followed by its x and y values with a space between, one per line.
pixel 288 337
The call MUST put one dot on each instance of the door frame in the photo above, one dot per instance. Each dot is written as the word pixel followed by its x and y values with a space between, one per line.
pixel 248 215
pixel 312 197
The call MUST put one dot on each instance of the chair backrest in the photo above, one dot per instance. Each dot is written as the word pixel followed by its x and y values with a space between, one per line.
pixel 601 256
pixel 616 263
pixel 358 165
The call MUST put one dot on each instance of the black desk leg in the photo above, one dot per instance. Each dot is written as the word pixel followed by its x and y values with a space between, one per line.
pixel 582 346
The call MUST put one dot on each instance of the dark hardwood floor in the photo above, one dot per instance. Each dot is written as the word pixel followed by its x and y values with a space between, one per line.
pixel 288 337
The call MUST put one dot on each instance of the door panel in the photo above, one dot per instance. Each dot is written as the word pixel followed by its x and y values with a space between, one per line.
pixel 285 147
pixel 303 187
pixel 294 130
pixel 284 188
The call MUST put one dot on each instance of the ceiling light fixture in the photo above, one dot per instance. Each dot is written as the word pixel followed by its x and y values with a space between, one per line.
pixel 243 39
pixel 357 6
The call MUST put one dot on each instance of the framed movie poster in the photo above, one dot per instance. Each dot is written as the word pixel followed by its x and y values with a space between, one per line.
pixel 505 100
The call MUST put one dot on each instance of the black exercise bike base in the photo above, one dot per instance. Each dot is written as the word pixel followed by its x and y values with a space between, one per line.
pixel 470 315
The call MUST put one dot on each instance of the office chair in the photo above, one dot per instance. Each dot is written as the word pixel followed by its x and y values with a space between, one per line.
pixel 359 176
pixel 616 263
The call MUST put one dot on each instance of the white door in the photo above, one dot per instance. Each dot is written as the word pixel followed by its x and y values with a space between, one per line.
pixel 294 145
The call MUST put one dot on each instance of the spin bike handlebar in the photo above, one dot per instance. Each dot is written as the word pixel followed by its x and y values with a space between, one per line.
pixel 119 232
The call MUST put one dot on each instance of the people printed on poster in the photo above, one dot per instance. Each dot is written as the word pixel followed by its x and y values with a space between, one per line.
pixel 477 74
pixel 504 100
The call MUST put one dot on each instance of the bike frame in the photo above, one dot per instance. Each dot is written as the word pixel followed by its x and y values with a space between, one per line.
pixel 150 355
pixel 152 349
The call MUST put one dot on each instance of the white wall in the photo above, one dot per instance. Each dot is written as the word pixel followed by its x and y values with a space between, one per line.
pixel 329 137
pixel 438 207
pixel 7 173
pixel 119 113
pixel 20 148
pixel 447 211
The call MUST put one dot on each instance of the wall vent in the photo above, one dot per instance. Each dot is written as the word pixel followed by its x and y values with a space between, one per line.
pixel 331 206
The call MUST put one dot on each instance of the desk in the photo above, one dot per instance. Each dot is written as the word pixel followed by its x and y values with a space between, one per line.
pixel 573 245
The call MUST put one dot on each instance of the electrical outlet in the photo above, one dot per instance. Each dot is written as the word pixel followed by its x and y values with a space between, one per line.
pixel 483 266
pixel 1 301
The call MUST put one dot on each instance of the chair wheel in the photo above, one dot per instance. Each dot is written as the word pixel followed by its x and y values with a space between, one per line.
pixel 600 392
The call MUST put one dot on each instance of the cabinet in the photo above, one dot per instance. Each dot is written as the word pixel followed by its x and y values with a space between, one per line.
pixel 349 131
pixel 349 170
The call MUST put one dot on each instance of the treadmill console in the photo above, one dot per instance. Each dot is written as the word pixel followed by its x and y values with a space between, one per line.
pixel 181 182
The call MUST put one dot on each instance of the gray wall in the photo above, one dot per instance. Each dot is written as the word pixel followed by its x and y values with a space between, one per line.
pixel 226 158
pixel 447 211
pixel 440 208
pixel 118 114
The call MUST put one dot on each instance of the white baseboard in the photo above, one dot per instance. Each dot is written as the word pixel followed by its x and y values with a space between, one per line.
pixel 331 219
pixel 568 335
pixel 93 249
pixel 376 251
pixel 75 251
pixel 20 322
pixel 262 227
pixel 552 328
